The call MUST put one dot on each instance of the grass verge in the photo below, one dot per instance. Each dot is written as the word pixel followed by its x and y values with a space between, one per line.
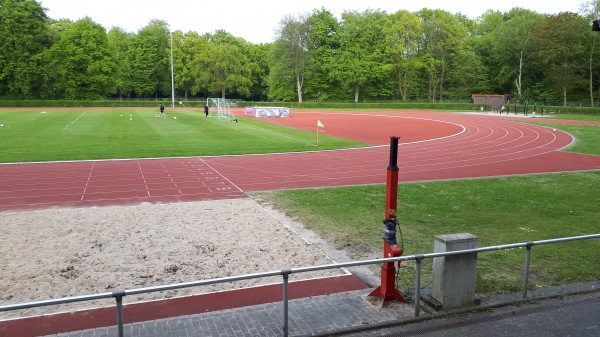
pixel 497 210
pixel 587 138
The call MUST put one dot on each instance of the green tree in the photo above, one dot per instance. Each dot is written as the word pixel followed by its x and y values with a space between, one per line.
pixel 224 68
pixel 24 36
pixel 81 63
pixel 324 43
pixel 483 42
pixel 562 47
pixel 467 75
pixel 591 10
pixel 150 60
pixel 514 47
pixel 258 58
pixel 188 51
pixel 290 51
pixel 281 79
pixel 227 71
pixel 443 38
pixel 120 44
pixel 360 60
pixel 401 37
pixel 223 37
pixel 58 27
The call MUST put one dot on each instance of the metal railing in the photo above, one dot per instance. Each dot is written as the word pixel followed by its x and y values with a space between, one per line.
pixel 285 273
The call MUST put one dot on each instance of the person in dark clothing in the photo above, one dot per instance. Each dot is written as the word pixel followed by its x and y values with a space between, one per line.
pixel 162 111
pixel 206 111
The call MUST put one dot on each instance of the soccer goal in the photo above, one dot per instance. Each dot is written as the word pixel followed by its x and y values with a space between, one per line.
pixel 219 107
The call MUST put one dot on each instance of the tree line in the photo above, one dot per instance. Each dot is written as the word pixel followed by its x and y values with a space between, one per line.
pixel 428 55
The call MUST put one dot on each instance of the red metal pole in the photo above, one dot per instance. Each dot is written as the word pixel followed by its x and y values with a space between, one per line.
pixel 391 194
pixel 387 290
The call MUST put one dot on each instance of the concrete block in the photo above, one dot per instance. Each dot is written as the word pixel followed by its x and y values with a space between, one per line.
pixel 454 277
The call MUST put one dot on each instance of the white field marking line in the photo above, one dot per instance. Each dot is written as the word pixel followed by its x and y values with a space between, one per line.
pixel 87 182
pixel 467 143
pixel 537 144
pixel 524 125
pixel 219 173
pixel 553 133
pixel 74 120
pixel 520 147
pixel 189 168
pixel 427 168
pixel 494 157
pixel 143 177
pixel 492 160
pixel 489 156
pixel 169 175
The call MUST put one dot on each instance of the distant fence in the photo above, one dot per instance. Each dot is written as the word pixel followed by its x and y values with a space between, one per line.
pixel 285 273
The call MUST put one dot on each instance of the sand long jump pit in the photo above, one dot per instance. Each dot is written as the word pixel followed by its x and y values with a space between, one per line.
pixel 62 252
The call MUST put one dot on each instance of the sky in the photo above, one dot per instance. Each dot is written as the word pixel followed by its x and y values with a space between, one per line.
pixel 257 20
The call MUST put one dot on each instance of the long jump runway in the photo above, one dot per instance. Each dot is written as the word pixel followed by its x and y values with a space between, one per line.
pixel 432 146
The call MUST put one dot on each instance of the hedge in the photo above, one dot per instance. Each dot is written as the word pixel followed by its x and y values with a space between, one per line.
pixel 448 106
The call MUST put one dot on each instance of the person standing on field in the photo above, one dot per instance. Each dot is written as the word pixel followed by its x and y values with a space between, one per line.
pixel 162 111
pixel 206 111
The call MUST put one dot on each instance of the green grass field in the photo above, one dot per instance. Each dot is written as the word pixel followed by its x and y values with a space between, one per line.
pixel 496 210
pixel 33 136
pixel 587 137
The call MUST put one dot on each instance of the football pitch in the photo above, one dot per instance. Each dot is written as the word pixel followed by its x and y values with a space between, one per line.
pixel 36 135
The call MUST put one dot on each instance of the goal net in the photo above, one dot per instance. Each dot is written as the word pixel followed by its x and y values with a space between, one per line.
pixel 219 107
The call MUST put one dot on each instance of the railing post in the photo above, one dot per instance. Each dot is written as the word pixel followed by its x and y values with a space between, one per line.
pixel 118 295
pixel 526 269
pixel 418 285
pixel 286 275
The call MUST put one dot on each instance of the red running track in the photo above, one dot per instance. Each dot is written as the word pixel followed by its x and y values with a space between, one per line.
pixel 432 146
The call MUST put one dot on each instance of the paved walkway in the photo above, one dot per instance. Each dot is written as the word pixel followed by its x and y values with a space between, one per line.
pixel 307 316
pixel 548 312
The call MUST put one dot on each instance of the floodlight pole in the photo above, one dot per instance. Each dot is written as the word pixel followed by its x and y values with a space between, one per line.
pixel 172 75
